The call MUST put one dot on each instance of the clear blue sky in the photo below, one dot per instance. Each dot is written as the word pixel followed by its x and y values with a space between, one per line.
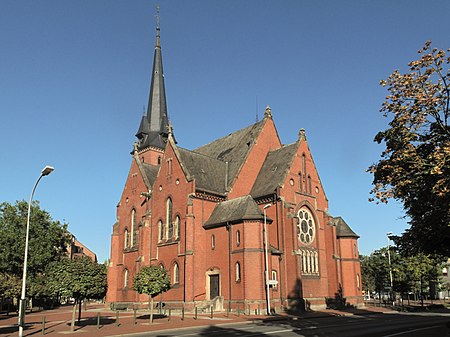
pixel 74 77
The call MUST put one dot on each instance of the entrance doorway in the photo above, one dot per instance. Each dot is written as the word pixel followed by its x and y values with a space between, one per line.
pixel 213 286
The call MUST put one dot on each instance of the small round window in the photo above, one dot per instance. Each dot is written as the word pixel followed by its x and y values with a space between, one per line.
pixel 306 228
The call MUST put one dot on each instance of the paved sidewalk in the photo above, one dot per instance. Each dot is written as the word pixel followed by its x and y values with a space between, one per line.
pixel 58 321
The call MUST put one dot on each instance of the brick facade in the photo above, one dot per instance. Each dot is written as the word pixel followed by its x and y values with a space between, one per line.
pixel 176 210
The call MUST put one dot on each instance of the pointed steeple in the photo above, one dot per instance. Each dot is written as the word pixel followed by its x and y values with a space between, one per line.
pixel 154 127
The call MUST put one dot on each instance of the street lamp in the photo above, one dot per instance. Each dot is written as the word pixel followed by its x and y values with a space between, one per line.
pixel 390 268
pixel 45 172
pixel 266 258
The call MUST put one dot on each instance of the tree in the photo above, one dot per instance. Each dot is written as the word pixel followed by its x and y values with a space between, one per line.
pixel 415 166
pixel 151 280
pixel 47 242
pixel 80 278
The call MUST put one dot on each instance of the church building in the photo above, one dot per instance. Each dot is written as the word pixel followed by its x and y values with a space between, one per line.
pixel 241 222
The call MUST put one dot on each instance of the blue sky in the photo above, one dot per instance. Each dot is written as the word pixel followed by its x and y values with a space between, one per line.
pixel 74 77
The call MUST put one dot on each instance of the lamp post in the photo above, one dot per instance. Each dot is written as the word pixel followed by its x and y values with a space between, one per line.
pixel 266 258
pixel 45 171
pixel 390 268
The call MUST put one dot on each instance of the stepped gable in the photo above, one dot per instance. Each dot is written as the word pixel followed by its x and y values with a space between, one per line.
pixel 233 211
pixel 274 170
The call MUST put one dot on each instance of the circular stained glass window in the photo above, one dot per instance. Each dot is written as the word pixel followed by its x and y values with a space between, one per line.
pixel 306 227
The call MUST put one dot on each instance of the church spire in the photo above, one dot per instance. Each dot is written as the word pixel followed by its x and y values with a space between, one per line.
pixel 154 126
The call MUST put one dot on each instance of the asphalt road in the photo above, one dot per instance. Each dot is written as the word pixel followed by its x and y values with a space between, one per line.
pixel 367 325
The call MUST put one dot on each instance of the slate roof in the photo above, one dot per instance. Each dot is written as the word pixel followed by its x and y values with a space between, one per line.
pixel 235 210
pixel 274 170
pixel 233 148
pixel 342 229
pixel 209 173
pixel 151 171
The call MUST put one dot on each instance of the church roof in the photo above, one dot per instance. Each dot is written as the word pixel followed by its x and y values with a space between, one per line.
pixel 209 173
pixel 233 148
pixel 235 210
pixel 274 170
pixel 151 171
pixel 342 229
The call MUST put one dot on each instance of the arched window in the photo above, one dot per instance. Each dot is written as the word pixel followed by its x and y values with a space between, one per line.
pixel 160 231
pixel 213 242
pixel 238 272
pixel 309 184
pixel 238 238
pixel 177 226
pixel 133 227
pixel 274 278
pixel 358 282
pixel 125 238
pixel 169 223
pixel 176 273
pixel 159 160
pixel 125 279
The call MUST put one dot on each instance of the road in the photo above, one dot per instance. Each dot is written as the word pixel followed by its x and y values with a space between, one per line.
pixel 367 325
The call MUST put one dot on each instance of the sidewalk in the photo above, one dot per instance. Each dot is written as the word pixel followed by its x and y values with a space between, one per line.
pixel 58 321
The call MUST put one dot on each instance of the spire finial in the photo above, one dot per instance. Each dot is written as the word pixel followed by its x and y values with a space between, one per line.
pixel 302 134
pixel 158 28
pixel 268 112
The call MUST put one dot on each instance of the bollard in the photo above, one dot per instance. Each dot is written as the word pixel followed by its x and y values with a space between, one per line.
pixel 259 309
pixel 117 318
pixel 182 312
pixel 195 313
pixel 170 311
pixel 134 316
pixel 98 320
pixel 43 325
pixel 249 310
pixel 238 309
pixel 212 312
pixel 228 310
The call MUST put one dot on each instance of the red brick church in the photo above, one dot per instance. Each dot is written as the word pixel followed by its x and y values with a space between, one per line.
pixel 202 214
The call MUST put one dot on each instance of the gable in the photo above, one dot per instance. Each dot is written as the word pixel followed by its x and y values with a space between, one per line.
pixel 274 170
pixel 233 148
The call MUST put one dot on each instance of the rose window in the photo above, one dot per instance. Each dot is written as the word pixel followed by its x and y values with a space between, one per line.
pixel 306 227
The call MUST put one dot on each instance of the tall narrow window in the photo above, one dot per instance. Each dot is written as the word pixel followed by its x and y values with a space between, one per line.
pixel 125 279
pixel 177 226
pixel 160 231
pixel 304 164
pixel 213 242
pixel 238 272
pixel 309 184
pixel 300 184
pixel 125 238
pixel 169 223
pixel 176 273
pixel 133 227
pixel 238 238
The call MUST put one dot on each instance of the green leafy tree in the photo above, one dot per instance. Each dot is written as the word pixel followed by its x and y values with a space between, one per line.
pixel 47 242
pixel 151 280
pixel 80 278
pixel 415 166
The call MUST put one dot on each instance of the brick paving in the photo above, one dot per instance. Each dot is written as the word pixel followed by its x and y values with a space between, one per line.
pixel 57 321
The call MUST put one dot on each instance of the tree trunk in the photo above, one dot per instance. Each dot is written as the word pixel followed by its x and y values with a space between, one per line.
pixel 151 309
pixel 74 312
pixel 79 311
